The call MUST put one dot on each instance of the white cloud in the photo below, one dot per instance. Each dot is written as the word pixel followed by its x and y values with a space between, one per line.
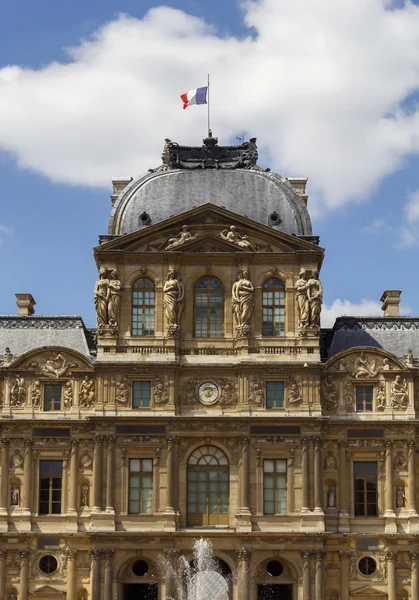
pixel 376 226
pixel 364 308
pixel 409 233
pixel 321 83
pixel 6 230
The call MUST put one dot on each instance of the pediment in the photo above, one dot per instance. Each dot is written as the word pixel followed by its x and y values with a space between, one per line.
pixel 205 227
pixel 366 591
pixel 53 362
pixel 46 591
pixel 364 362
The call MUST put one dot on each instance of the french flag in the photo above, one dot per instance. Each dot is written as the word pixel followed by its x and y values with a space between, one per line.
pixel 198 96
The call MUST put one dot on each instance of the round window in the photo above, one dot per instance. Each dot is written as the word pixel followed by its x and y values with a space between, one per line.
pixel 140 568
pixel 367 565
pixel 48 564
pixel 274 568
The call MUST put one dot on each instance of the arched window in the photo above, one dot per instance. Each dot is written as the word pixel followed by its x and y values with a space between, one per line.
pixel 209 307
pixel 143 300
pixel 273 307
pixel 208 487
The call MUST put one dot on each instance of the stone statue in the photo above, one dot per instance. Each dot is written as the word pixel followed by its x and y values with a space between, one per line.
pixel 409 358
pixel 122 394
pixel 87 393
pixel 231 235
pixel 349 396
pixel 293 393
pixel 68 395
pixel 15 496
pixel 386 365
pixel 331 497
pixel 36 394
pixel 173 303
pixel 330 393
pixel 399 393
pixel 381 397
pixel 242 302
pixel 364 367
pixel 84 496
pixel 302 300
pixel 18 392
pixel 400 497
pixel 101 295
pixel 114 299
pixel 183 236
pixel 56 366
pixel 315 299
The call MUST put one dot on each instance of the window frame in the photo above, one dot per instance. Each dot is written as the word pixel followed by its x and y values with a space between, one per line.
pixel 52 400
pixel 364 408
pixel 273 307
pixel 364 477
pixel 143 305
pixel 141 382
pixel 51 489
pixel 275 475
pixel 208 308
pixel 142 474
pixel 271 382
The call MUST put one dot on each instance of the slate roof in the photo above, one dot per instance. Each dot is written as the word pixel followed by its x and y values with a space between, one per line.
pixel 394 334
pixel 21 334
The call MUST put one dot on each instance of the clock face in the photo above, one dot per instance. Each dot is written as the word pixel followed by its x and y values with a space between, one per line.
pixel 208 393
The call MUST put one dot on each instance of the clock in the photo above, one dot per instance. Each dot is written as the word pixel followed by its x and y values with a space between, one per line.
pixel 208 393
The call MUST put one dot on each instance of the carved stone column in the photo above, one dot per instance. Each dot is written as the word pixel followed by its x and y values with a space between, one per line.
pixel 72 496
pixel 318 480
pixel 27 467
pixel 171 556
pixel 110 482
pixel 412 478
pixel 3 554
pixel 414 574
pixel 245 476
pixel 171 475
pixel 391 575
pixel 4 500
pixel 306 555
pixel 389 479
pixel 108 575
pixel 243 583
pixel 95 575
pixel 343 479
pixel 71 590
pixel 97 474
pixel 24 575
pixel 305 475
pixel 345 557
pixel 319 575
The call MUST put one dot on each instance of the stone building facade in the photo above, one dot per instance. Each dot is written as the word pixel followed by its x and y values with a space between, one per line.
pixel 209 403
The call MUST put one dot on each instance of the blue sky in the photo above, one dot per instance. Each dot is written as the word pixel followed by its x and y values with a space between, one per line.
pixel 331 94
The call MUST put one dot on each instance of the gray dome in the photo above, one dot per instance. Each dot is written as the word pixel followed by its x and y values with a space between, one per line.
pixel 254 194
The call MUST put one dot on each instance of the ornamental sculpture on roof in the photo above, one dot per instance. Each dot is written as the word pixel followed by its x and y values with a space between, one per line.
pixel 209 156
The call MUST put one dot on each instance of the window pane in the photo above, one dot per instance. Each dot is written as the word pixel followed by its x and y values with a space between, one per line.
pixel 274 394
pixel 143 301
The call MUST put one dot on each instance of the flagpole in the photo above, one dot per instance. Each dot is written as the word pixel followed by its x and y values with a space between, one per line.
pixel 208 98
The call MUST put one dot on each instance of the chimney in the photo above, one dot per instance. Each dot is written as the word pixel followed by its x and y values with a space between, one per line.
pixel 390 303
pixel 25 304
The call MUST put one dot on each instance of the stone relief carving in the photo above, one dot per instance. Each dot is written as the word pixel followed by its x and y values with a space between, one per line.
pixel 17 460
pixel 210 426
pixel 242 302
pixel 122 393
pixel 160 391
pixel 330 394
pixel 330 462
pixel 107 299
pixel 18 392
pixel 53 365
pixel 183 236
pixel 381 396
pixel 256 392
pixel 364 367
pixel 232 235
pixel 349 395
pixel 399 393
pixel 173 302
pixel 86 461
pixel 87 393
pixel 36 394
pixel 380 574
pixel 68 395
pixel 293 392
pixel 189 391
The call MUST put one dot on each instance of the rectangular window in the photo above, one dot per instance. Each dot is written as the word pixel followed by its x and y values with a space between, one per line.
pixel 365 489
pixel 50 487
pixel 141 392
pixel 140 485
pixel 364 398
pixel 52 397
pixel 274 487
pixel 274 394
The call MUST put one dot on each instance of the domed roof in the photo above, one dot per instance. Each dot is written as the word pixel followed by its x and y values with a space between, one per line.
pixel 226 176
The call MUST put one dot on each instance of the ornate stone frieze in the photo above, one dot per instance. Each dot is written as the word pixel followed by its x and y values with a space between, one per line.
pixel 53 364
pixel 144 440
pixel 51 442
pixel 41 323
pixel 208 425
pixel 276 440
